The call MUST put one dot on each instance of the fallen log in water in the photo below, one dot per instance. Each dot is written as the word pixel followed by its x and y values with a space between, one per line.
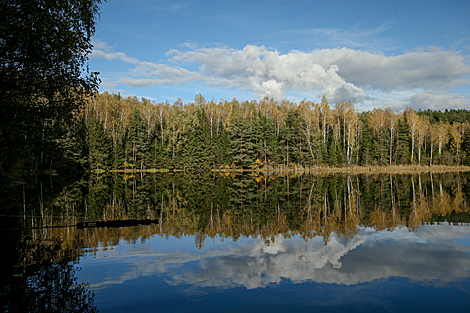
pixel 118 223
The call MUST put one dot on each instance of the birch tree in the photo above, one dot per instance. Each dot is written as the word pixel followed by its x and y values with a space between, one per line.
pixel 413 122
pixel 307 111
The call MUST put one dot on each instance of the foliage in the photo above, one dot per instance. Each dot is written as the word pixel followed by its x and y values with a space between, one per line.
pixel 115 133
pixel 44 76
pixel 203 136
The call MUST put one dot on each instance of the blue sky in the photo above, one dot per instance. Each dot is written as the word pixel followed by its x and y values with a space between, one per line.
pixel 377 54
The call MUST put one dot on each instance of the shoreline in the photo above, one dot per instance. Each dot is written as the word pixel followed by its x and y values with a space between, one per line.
pixel 366 170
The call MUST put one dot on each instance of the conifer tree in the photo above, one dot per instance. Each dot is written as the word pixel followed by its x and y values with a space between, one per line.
pixel 207 141
pixel 290 138
pixel 269 143
pixel 366 141
pixel 117 155
pixel 197 151
pixel 136 145
pixel 334 156
pixel 403 143
pixel 243 144
pixel 222 147
pixel 384 140
pixel 98 144
pixel 243 133
pixel 466 146
pixel 72 150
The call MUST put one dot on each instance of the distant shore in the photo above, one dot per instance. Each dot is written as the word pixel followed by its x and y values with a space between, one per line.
pixel 374 169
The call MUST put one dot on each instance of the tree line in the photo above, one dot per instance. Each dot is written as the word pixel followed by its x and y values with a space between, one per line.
pixel 115 133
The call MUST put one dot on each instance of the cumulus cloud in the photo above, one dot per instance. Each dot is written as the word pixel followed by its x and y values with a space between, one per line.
pixel 341 74
pixel 269 73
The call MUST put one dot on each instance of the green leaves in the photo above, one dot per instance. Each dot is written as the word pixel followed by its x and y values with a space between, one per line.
pixel 44 76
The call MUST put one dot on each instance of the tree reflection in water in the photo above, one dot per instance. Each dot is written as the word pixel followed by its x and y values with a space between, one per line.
pixel 42 271
pixel 44 279
pixel 234 206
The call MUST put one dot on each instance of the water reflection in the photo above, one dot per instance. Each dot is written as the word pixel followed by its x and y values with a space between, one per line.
pixel 44 278
pixel 253 206
pixel 250 232
pixel 429 255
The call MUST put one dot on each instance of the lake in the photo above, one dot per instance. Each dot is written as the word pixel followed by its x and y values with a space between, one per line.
pixel 230 242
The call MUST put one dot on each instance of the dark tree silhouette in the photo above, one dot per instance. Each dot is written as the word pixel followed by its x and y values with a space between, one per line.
pixel 44 75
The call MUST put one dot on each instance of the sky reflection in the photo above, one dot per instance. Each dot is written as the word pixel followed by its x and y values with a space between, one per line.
pixel 433 254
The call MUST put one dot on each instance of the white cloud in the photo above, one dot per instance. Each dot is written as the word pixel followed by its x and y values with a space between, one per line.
pixel 101 45
pixel 111 56
pixel 341 74
pixel 419 69
pixel 268 72
pixel 437 99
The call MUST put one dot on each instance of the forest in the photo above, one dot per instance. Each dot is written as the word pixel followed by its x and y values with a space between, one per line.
pixel 114 133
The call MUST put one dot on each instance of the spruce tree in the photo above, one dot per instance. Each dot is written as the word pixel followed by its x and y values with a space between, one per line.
pixel 384 147
pixel 367 144
pixel 268 142
pixel 136 144
pixel 333 154
pixel 290 139
pixel 207 142
pixel 403 147
pixel 222 148
pixel 117 155
pixel 98 144
pixel 243 143
pixel 466 147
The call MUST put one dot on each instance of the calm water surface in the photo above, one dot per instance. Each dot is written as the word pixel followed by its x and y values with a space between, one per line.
pixel 246 243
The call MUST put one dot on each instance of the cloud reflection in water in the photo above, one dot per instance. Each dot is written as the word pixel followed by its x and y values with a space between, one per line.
pixel 435 254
